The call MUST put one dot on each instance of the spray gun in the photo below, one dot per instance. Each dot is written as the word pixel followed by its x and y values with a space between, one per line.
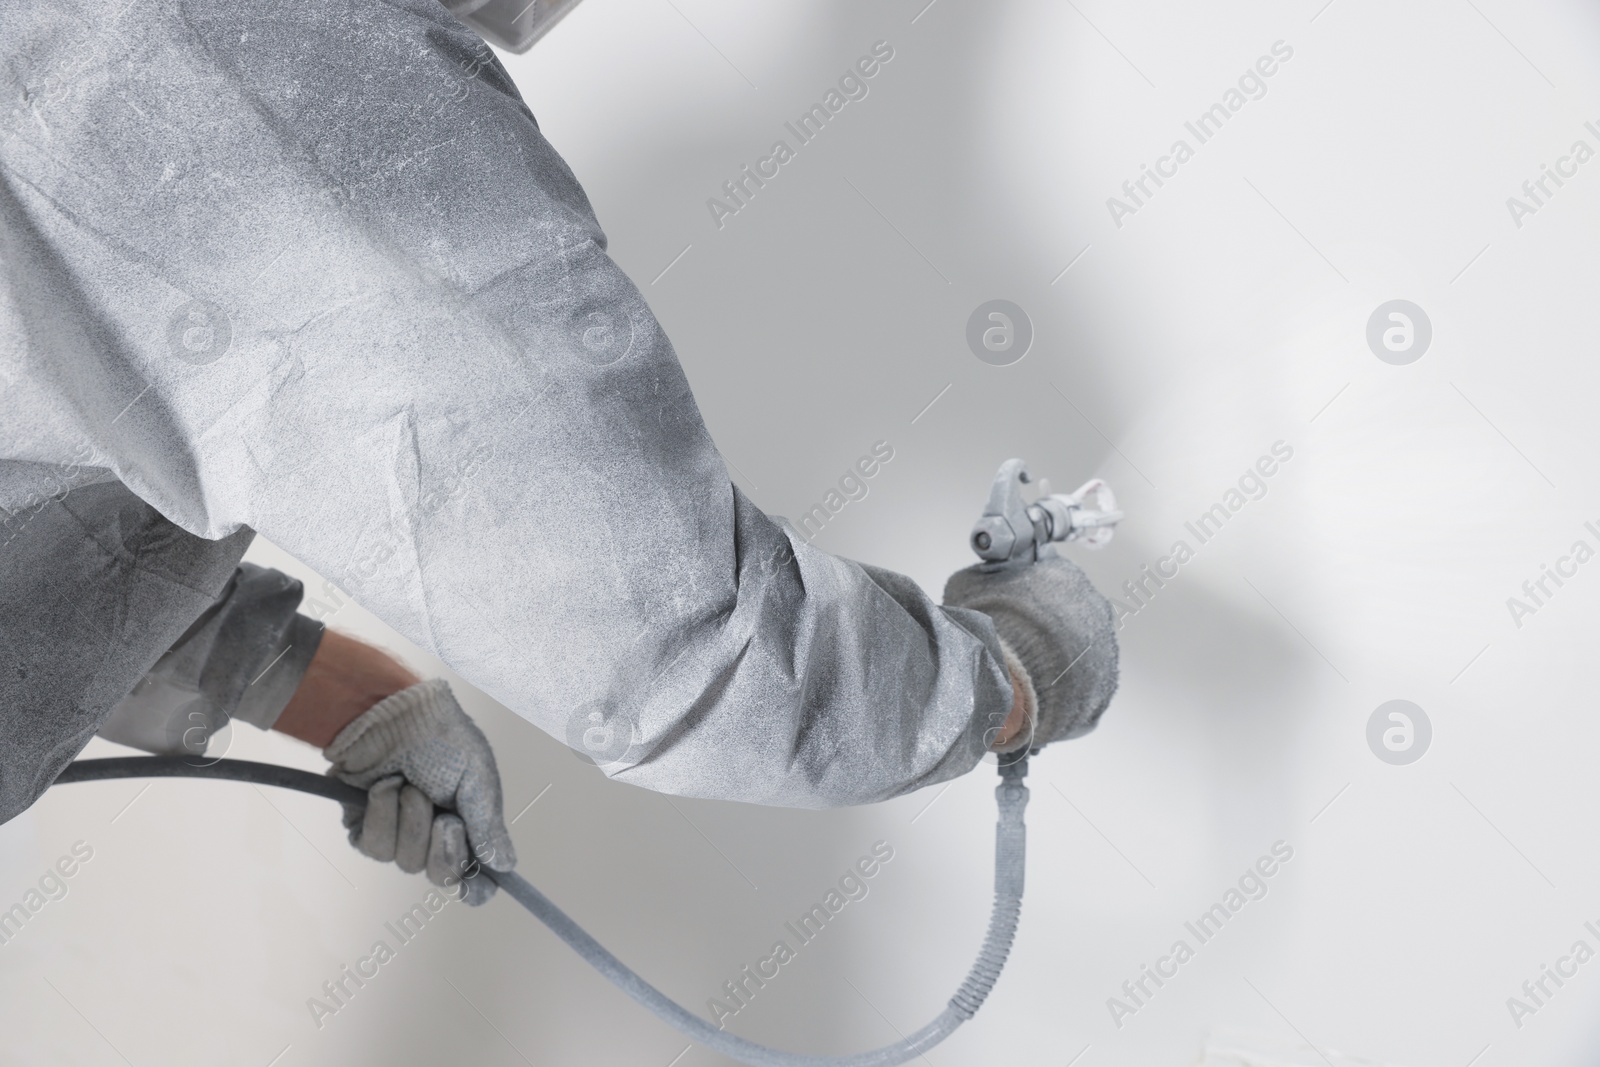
pixel 1015 533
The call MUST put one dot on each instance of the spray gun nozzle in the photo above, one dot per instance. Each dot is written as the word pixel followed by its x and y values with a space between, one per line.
pixel 1013 532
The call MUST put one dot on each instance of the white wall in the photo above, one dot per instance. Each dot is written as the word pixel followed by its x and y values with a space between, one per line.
pixel 1227 314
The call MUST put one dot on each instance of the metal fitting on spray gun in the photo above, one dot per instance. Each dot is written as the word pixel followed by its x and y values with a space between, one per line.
pixel 1015 533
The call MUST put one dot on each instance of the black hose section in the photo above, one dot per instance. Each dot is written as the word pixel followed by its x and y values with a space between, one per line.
pixel 1009 856
pixel 234 770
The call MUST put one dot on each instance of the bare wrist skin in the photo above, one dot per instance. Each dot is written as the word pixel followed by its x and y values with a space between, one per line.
pixel 345 678
pixel 1017 721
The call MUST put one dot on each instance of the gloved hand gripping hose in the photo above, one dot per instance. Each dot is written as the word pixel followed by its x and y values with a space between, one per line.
pixel 1009 856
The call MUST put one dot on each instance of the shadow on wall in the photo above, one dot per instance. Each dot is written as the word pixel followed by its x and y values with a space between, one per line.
pixel 1208 657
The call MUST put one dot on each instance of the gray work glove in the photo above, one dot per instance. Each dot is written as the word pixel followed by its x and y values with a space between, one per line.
pixel 1059 631
pixel 414 752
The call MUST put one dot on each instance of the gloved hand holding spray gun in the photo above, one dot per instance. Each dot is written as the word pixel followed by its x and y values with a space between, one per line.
pixel 1056 630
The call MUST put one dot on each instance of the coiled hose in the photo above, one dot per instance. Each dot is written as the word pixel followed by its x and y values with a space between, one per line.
pixel 1009 857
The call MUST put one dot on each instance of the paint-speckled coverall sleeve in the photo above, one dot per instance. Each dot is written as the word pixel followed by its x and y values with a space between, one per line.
pixel 309 267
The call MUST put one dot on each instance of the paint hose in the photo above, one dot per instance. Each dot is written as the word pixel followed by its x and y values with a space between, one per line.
pixel 1010 855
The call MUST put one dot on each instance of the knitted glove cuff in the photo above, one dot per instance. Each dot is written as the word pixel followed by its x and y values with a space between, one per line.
pixel 409 717
pixel 1030 701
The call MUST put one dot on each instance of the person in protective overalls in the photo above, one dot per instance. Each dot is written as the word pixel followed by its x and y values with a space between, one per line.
pixel 309 269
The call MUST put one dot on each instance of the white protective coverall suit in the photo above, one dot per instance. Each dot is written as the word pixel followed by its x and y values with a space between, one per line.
pixel 309 268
